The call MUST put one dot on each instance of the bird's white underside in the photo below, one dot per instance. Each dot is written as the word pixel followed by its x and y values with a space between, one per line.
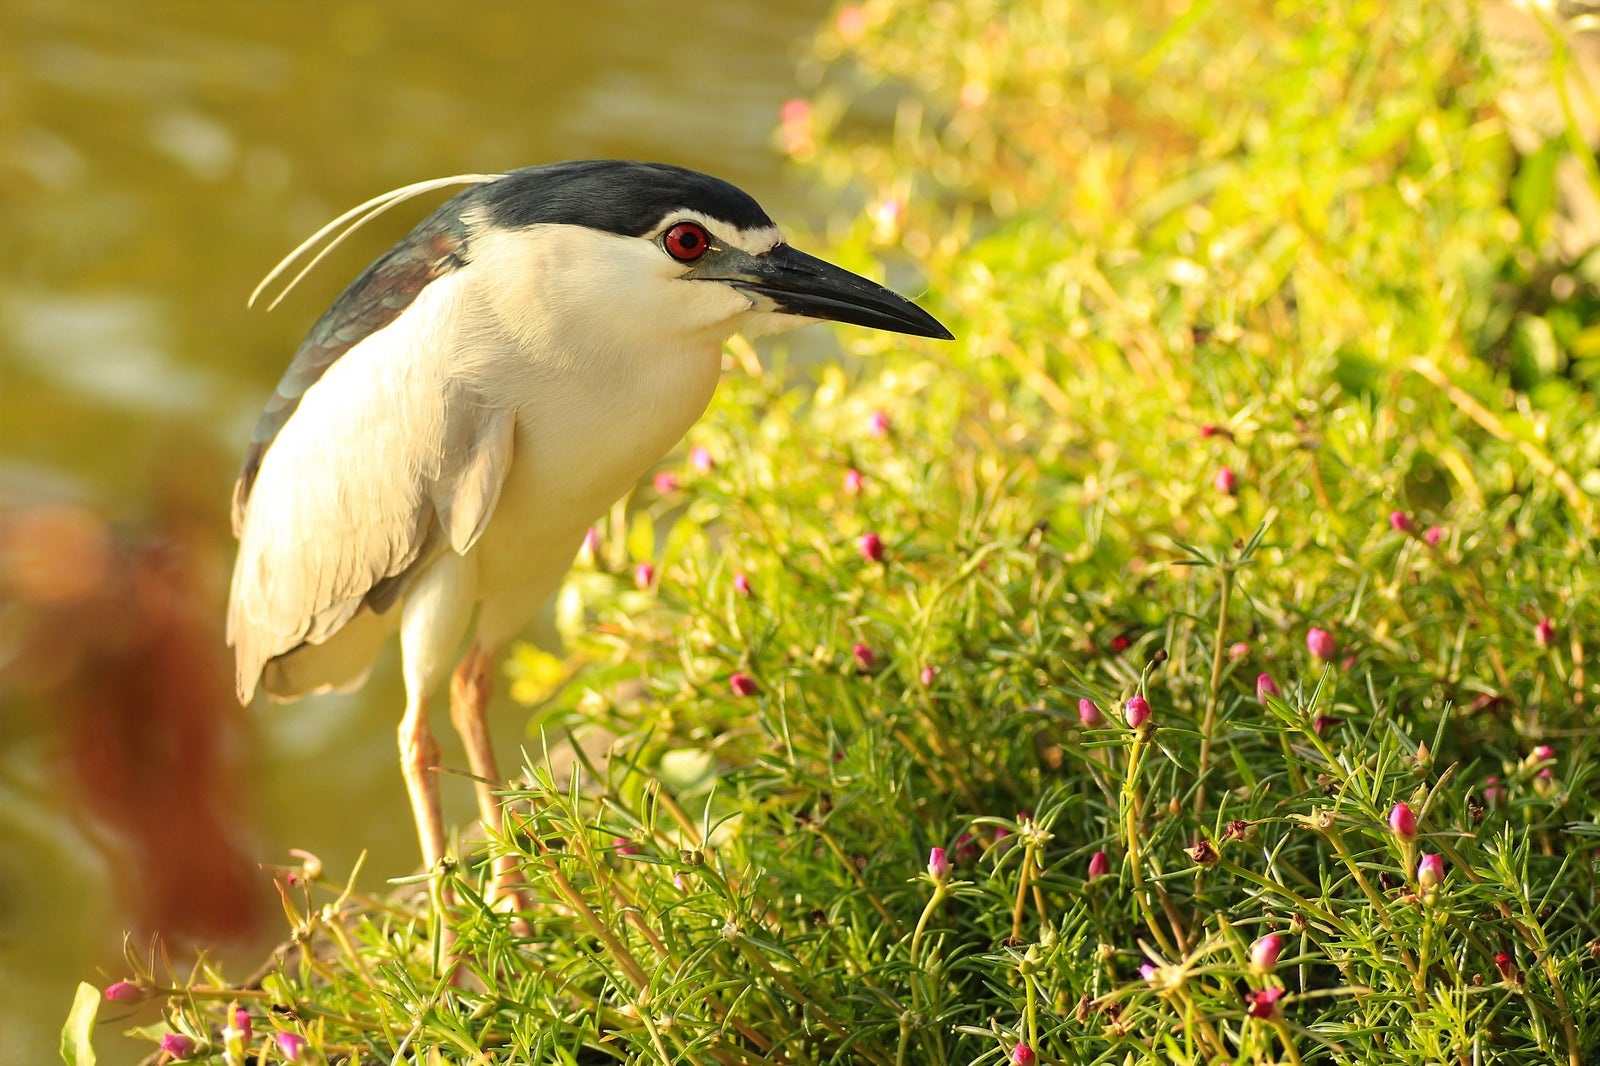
pixel 413 450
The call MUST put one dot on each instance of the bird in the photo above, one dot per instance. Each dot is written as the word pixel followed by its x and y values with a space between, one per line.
pixel 473 401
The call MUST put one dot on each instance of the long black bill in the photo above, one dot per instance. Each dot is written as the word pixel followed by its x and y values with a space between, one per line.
pixel 801 284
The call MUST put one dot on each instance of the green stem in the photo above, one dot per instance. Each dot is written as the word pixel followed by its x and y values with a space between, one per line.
pixel 1217 656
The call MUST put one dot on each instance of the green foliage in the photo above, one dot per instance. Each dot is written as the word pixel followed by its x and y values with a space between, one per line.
pixel 1171 239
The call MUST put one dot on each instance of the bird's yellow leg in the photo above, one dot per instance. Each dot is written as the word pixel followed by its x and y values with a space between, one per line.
pixel 419 761
pixel 470 688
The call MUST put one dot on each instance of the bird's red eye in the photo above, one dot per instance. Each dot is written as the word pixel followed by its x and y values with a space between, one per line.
pixel 687 241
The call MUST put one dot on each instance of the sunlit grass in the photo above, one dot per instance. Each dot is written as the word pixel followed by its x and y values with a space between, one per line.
pixel 1253 343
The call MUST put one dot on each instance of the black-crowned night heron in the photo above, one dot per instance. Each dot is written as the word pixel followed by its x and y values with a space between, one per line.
pixel 473 401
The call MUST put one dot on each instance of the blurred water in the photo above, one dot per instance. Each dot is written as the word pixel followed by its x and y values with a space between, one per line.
pixel 155 159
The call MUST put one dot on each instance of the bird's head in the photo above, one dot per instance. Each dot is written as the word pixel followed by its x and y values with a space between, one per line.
pixel 629 254
pixel 651 250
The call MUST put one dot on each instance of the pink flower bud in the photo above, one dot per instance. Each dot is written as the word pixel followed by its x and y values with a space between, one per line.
pixel 742 685
pixel 1089 713
pixel 241 1024
pixel 850 23
pixel 124 992
pixel 1099 865
pixel 666 483
pixel 1493 791
pixel 1149 972
pixel 1238 650
pixel 700 459
pixel 1402 822
pixel 1321 643
pixel 938 865
pixel 1208 431
pixel 1506 965
pixel 591 542
pixel 644 575
pixel 1430 871
pixel 865 657
pixel 927 674
pixel 1324 722
pixel 1265 687
pixel 1264 953
pixel 1400 521
pixel 1022 1055
pixel 1545 632
pixel 1543 752
pixel 1433 536
pixel 291 1046
pixel 871 547
pixel 794 112
pixel 741 583
pixel 878 424
pixel 624 846
pixel 1226 481
pixel 1137 712
pixel 1263 1002
pixel 177 1045
pixel 853 480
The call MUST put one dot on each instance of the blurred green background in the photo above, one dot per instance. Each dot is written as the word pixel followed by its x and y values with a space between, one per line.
pixel 156 158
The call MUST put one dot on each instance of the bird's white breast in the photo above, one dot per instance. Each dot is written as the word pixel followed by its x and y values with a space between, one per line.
pixel 606 359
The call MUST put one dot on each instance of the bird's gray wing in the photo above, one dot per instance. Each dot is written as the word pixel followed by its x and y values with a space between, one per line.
pixel 382 459
pixel 436 247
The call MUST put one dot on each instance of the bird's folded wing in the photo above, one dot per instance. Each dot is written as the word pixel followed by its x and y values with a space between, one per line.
pixel 385 463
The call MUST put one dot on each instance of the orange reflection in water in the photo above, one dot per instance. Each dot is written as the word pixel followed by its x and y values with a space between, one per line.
pixel 118 636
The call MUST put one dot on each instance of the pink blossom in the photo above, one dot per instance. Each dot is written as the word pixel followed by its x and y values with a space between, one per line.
pixel 1238 650
pixel 178 1045
pixel 1324 722
pixel 1265 687
pixel 1099 865
pixel 1433 536
pixel 1493 791
pixel 1430 871
pixel 1137 712
pixel 1226 481
pixel 644 575
pixel 1149 972
pixel 794 112
pixel 241 1024
pixel 1022 1055
pixel 624 846
pixel 1264 953
pixel 742 685
pixel 1542 753
pixel 927 674
pixel 741 583
pixel 700 459
pixel 666 483
pixel 124 992
pixel 591 542
pixel 938 865
pixel 1400 521
pixel 864 656
pixel 1545 632
pixel 851 23
pixel 1320 642
pixel 291 1046
pixel 1263 1002
pixel 1403 822
pixel 1089 713
pixel 871 547
pixel 853 480
pixel 878 423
